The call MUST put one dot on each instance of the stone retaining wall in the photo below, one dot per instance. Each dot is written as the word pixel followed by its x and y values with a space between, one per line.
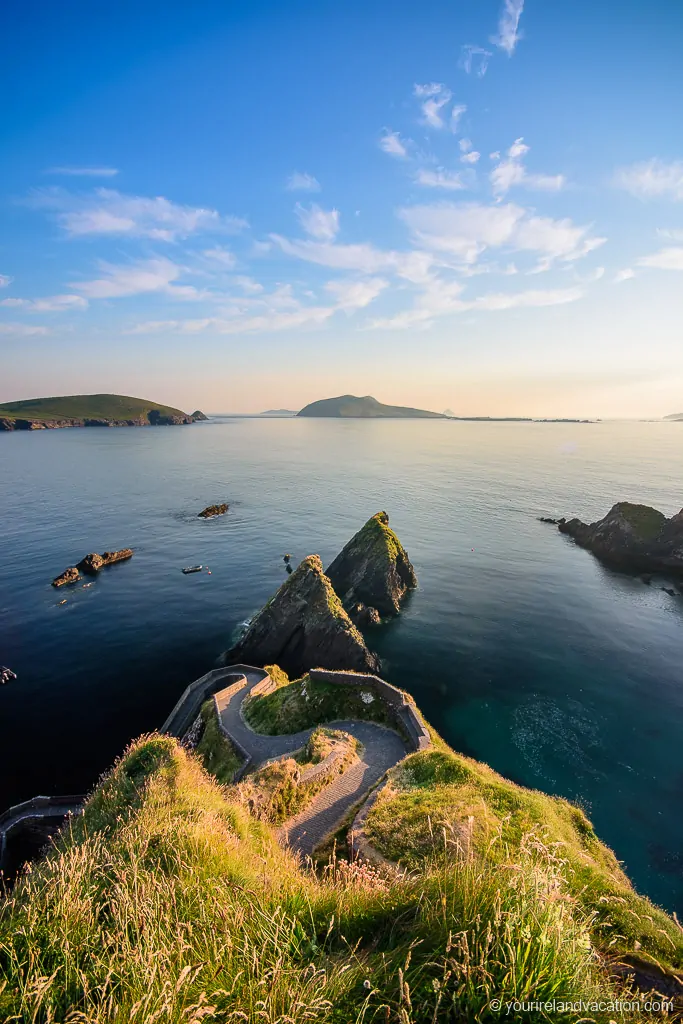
pixel 36 809
pixel 187 708
pixel 403 709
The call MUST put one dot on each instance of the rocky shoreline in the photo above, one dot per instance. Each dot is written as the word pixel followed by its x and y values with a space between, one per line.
pixel 153 419
pixel 635 538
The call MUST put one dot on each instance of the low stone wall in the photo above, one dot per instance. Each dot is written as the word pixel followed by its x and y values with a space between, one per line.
pixel 360 846
pixel 403 709
pixel 39 808
pixel 326 767
pixel 187 708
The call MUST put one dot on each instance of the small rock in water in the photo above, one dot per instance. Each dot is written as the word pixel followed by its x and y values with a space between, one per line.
pixel 286 558
pixel 6 674
pixel 70 575
pixel 213 510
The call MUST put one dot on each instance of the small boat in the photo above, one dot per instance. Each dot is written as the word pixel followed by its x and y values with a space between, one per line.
pixel 192 568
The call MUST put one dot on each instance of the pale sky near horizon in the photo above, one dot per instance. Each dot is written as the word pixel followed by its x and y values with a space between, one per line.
pixel 235 207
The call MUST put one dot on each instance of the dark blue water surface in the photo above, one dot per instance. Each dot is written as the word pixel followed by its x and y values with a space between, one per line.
pixel 522 649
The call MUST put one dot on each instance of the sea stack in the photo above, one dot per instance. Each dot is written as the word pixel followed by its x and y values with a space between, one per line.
pixel 304 626
pixel 633 537
pixel 373 569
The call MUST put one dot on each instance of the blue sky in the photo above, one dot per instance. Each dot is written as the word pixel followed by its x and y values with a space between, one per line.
pixel 478 205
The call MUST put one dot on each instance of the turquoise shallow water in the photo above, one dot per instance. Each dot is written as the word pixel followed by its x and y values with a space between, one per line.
pixel 522 649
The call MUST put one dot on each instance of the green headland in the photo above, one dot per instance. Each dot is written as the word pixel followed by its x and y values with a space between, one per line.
pixel 351 407
pixel 91 410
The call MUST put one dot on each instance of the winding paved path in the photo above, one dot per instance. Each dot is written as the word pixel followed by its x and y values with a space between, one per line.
pixel 382 749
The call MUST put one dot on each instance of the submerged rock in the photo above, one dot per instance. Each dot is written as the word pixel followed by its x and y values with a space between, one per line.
pixel 373 568
pixel 633 537
pixel 547 519
pixel 213 510
pixel 70 575
pixel 6 675
pixel 304 626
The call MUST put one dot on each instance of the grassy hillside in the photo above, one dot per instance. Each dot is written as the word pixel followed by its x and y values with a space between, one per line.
pixel 78 407
pixel 168 902
pixel 348 406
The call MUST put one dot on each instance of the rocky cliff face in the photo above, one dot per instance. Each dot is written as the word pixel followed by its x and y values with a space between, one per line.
pixel 373 569
pixel 634 537
pixel 304 626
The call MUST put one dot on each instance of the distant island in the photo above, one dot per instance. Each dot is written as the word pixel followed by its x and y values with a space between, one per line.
pixel 91 411
pixel 351 407
pixel 278 412
pixel 675 416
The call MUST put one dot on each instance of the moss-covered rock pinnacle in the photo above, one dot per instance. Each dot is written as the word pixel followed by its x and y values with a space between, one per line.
pixel 304 626
pixel 373 568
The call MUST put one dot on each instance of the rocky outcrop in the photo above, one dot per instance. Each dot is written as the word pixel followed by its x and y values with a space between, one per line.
pixel 70 575
pixel 213 510
pixel 373 569
pixel 198 415
pixel 362 616
pixel 91 565
pixel 633 537
pixel 302 626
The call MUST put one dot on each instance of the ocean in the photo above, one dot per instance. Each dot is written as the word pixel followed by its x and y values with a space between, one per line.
pixel 522 649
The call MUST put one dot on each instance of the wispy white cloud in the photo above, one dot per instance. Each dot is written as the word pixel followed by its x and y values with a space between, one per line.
pixel 469 155
pixel 22 330
pixel 510 171
pixel 652 179
pixel 434 96
pixel 50 304
pixel 457 112
pixel 474 60
pixel 5 280
pixel 221 256
pixel 352 295
pixel 392 144
pixel 440 178
pixel 670 258
pixel 276 311
pixel 444 298
pixel 672 234
pixel 84 172
pixel 508 26
pixel 302 182
pixel 538 298
pixel 623 275
pixel 138 278
pixel 414 266
pixel 467 229
pixel 318 223
pixel 111 213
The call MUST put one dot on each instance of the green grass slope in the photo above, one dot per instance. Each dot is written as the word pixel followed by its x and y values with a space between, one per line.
pixel 441 805
pixel 349 406
pixel 168 902
pixel 78 407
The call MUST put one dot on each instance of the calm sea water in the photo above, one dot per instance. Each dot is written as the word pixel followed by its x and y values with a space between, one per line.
pixel 522 649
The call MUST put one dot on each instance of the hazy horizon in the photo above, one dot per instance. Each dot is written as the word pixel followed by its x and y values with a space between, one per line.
pixel 474 207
